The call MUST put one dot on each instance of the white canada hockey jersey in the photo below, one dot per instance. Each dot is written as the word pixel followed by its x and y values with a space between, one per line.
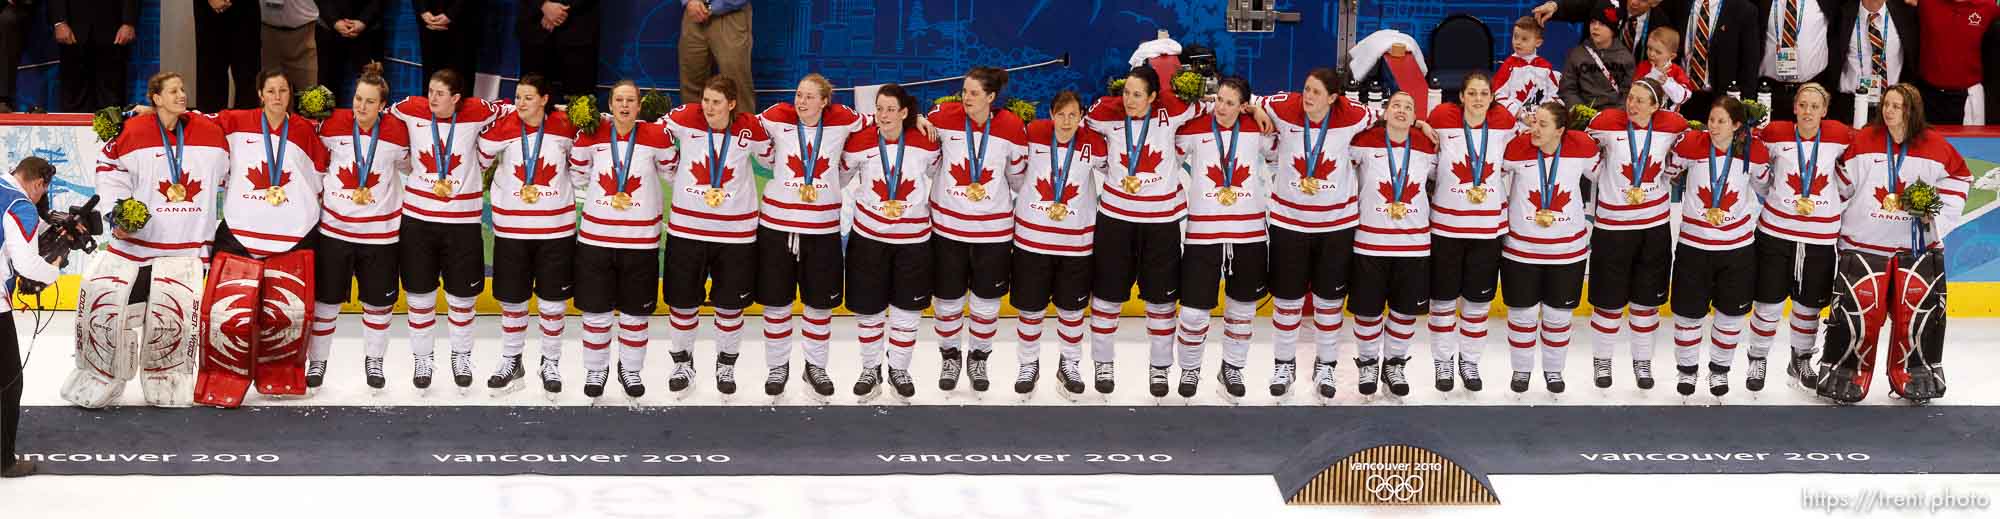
pixel 1086 157
pixel 1395 220
pixel 1868 225
pixel 138 164
pixel 632 221
pixel 550 211
pixel 1238 215
pixel 353 177
pixel 1552 183
pixel 715 190
pixel 293 169
pixel 1622 141
pixel 1734 190
pixel 1817 220
pixel 1142 149
pixel 870 158
pixel 784 206
pixel 1455 213
pixel 1005 141
pixel 1331 204
pixel 437 142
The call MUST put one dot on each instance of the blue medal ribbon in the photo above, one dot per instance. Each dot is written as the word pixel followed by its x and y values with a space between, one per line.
pixel 1807 169
pixel 1133 147
pixel 1229 153
pixel 1548 172
pixel 1398 175
pixel 274 160
pixel 364 164
pixel 1718 182
pixel 623 168
pixel 174 149
pixel 976 154
pixel 809 154
pixel 533 156
pixel 892 174
pixel 1641 157
pixel 1476 151
pixel 718 158
pixel 1059 168
pixel 444 146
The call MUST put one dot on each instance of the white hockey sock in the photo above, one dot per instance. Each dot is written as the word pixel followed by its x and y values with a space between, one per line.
pixel 1645 324
pixel 1103 330
pixel 1472 330
pixel 683 322
pixel 632 339
pixel 513 328
pixel 321 345
pixel 1555 337
pixel 1444 328
pixel 728 331
pixel 985 323
pixel 871 329
pixel 1607 327
pixel 553 314
pixel 1160 334
pixel 818 330
pixel 949 317
pixel 1522 325
pixel 422 318
pixel 902 336
pixel 1069 329
pixel 1028 334
pixel 1367 337
pixel 461 322
pixel 1285 317
pixel 1764 327
pixel 1236 329
pixel 1402 328
pixel 1193 333
pixel 597 341
pixel 375 330
pixel 1727 333
pixel 1687 341
pixel 1326 328
pixel 1805 328
pixel 777 336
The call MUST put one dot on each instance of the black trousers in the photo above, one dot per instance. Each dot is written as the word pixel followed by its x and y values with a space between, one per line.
pixel 341 59
pixel 570 69
pixel 228 48
pixel 93 75
pixel 13 18
pixel 10 398
pixel 456 49
pixel 1943 106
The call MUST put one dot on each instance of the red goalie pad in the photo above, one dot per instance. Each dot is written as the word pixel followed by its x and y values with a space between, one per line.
pixel 228 330
pixel 282 315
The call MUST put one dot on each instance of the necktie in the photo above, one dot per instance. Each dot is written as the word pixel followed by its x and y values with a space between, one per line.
pixel 1698 60
pixel 1875 47
pixel 1789 36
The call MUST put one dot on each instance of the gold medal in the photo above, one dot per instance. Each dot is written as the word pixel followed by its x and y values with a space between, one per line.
pixel 1545 217
pixel 1804 206
pixel 177 193
pixel 808 193
pixel 1227 196
pixel 892 208
pixel 1132 184
pixel 621 201
pixel 275 195
pixel 1058 211
pixel 442 188
pixel 713 197
pixel 1634 195
pixel 530 195
pixel 976 191
pixel 1890 203
pixel 1476 195
pixel 1309 186
pixel 1715 216
pixel 361 196
pixel 1398 210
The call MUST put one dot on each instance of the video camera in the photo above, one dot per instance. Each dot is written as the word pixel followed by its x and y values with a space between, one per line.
pixel 68 231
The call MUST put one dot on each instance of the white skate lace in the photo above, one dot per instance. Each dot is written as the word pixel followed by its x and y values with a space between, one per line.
pixel 725 372
pixel 1643 369
pixel 1282 375
pixel 423 366
pixel 506 367
pixel 870 377
pixel 817 374
pixel 1468 370
pixel 683 370
pixel 1104 371
pixel 1191 376
pixel 551 371
pixel 1601 367
pixel 1071 371
pixel 596 377
pixel 949 369
pixel 1394 374
pixel 373 365
pixel 628 377
pixel 1521 376
pixel 1759 368
pixel 1369 374
pixel 899 377
pixel 1026 373
pixel 1687 378
pixel 976 368
pixel 1232 376
pixel 1441 369
pixel 777 375
pixel 1323 374
pixel 1552 377
pixel 316 368
pixel 1156 375
pixel 461 364
pixel 1718 379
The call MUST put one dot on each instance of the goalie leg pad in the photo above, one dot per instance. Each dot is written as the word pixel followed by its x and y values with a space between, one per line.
pixel 283 314
pixel 104 345
pixel 1917 307
pixel 228 330
pixel 1862 290
pixel 171 337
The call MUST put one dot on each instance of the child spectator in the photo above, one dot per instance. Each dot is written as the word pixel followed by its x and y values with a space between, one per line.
pixel 1661 48
pixel 1598 71
pixel 1525 79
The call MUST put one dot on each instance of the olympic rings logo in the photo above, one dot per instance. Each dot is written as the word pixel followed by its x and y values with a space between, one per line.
pixel 1395 487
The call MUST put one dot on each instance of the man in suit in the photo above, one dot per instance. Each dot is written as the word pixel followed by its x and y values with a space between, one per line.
pixel 1855 53
pixel 559 41
pixel 350 35
pixel 1720 40
pixel 14 16
pixel 229 49
pixel 1798 37
pixel 95 40
pixel 448 31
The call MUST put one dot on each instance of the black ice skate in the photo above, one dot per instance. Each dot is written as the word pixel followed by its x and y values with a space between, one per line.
pixel 1156 380
pixel 900 378
pixel 1392 374
pixel 1282 373
pixel 372 368
pixel 1925 382
pixel 1230 382
pixel 461 370
pixel 775 379
pixel 508 377
pixel 1441 374
pixel 1520 381
pixel 420 372
pixel 1686 379
pixel 1104 378
pixel 1801 370
pixel 725 373
pixel 821 383
pixel 1468 372
pixel 1754 379
pixel 593 382
pixel 1371 375
pixel 634 387
pixel 315 373
pixel 868 385
pixel 948 369
pixel 1718 379
pixel 1024 381
pixel 1600 371
pixel 682 380
pixel 1190 380
pixel 1642 373
pixel 975 368
pixel 1844 385
pixel 1070 373
pixel 1554 381
pixel 551 376
pixel 1323 376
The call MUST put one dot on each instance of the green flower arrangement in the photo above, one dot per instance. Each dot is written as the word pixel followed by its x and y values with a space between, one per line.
pixel 315 103
pixel 1921 200
pixel 130 215
pixel 1756 112
pixel 1697 125
pixel 1189 86
pixel 1116 86
pixel 654 104
pixel 1580 116
pixel 1023 109
pixel 582 111
pixel 107 122
pixel 946 99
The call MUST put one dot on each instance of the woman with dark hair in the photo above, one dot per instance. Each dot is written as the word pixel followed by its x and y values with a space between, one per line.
pixel 1797 231
pixel 1392 247
pixel 1715 265
pixel 1138 228
pixel 534 226
pixel 1228 159
pixel 1467 222
pixel 982 144
pixel 1055 212
pixel 368 156
pixel 1542 258
pixel 1887 246
pixel 889 254
pixel 798 232
pixel 1631 250
pixel 621 171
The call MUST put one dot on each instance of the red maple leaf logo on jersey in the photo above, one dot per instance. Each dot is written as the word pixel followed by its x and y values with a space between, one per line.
pixel 1728 197
pixel 192 186
pixel 703 176
pixel 610 183
pixel 1047 189
pixel 1463 170
pixel 1818 184
pixel 1880 191
pixel 962 176
pixel 430 161
pixel 1652 172
pixel 1149 160
pixel 799 166
pixel 1235 180
pixel 259 180
pixel 350 178
pixel 903 188
pixel 543 174
pixel 1557 201
pixel 1320 170
pixel 1410 191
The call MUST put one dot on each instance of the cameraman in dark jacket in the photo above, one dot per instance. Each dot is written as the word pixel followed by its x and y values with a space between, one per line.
pixel 19 254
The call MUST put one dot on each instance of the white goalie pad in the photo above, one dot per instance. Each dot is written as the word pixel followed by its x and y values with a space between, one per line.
pixel 106 344
pixel 172 336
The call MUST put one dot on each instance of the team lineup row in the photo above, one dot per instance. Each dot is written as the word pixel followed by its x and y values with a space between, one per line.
pixel 1324 204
